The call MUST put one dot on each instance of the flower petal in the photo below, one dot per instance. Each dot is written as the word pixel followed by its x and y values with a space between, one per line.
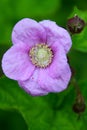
pixel 16 64
pixel 31 86
pixel 56 33
pixel 54 84
pixel 28 31
pixel 59 61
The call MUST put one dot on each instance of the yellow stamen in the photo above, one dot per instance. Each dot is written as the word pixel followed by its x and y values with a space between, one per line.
pixel 41 55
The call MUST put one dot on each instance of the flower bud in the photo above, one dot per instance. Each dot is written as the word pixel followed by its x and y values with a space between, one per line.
pixel 75 25
pixel 78 108
pixel 79 105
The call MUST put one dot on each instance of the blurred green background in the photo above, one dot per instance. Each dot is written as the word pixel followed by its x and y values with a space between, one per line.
pixel 20 111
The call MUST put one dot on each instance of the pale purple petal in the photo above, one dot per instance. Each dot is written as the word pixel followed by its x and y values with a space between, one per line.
pixel 31 86
pixel 54 84
pixel 56 33
pixel 59 61
pixel 16 63
pixel 29 32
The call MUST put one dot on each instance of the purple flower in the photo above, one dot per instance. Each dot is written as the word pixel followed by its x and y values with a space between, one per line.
pixel 37 59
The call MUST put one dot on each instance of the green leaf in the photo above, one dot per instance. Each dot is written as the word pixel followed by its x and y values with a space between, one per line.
pixel 12 120
pixel 53 111
pixel 80 40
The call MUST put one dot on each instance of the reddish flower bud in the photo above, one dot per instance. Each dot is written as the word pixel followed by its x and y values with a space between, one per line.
pixel 75 25
pixel 78 108
pixel 79 105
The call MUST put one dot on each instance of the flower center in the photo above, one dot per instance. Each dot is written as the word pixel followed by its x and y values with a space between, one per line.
pixel 41 55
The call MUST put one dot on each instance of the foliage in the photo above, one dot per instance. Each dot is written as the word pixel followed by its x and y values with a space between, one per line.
pixel 53 111
pixel 18 110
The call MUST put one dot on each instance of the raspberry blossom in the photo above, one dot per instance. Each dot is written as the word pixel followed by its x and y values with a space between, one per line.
pixel 37 59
